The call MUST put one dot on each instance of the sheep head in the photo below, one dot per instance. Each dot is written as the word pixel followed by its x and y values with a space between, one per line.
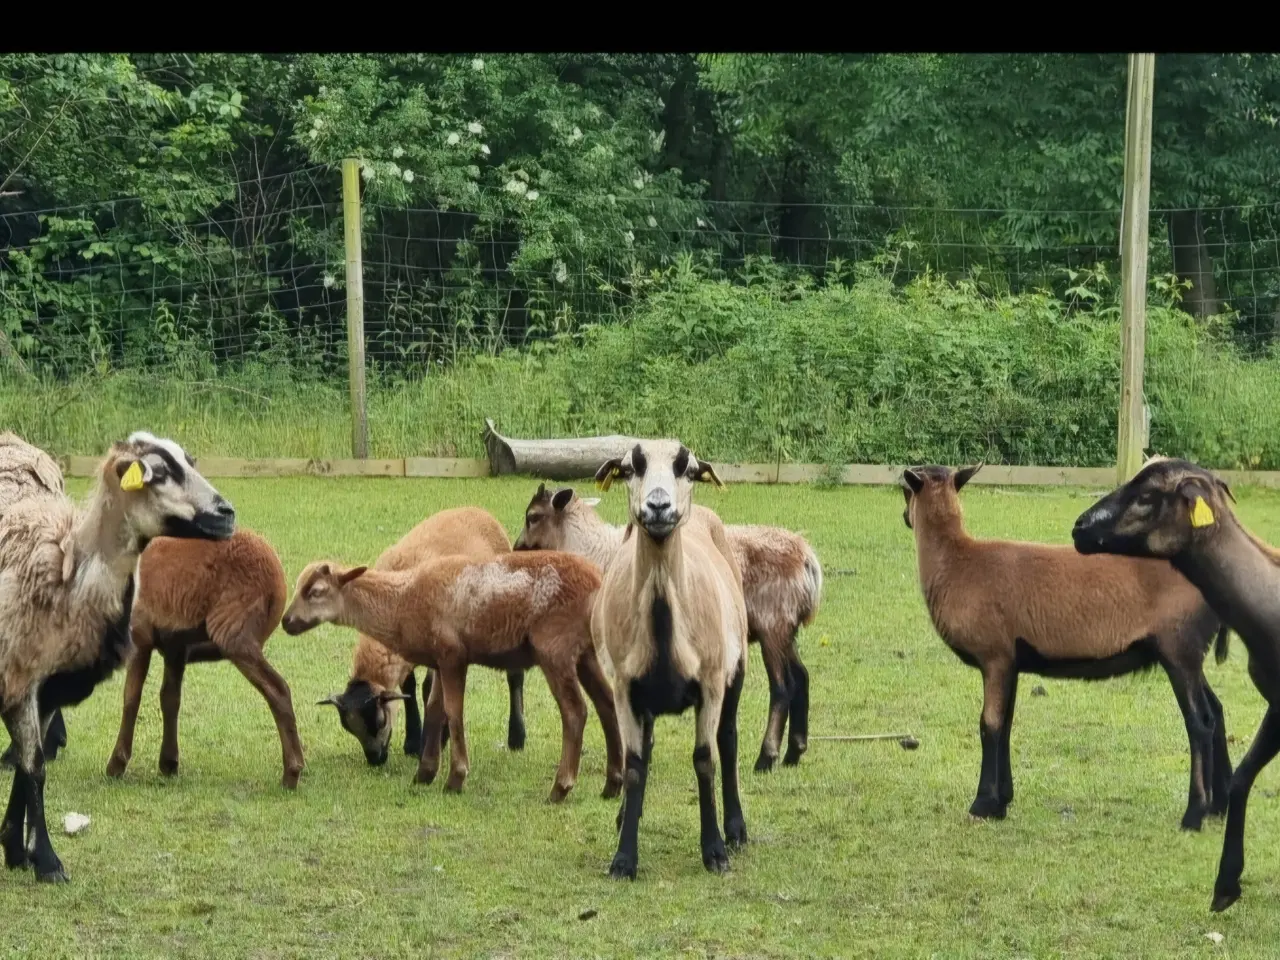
pixel 544 527
pixel 318 596
pixel 660 475
pixel 932 492
pixel 162 492
pixel 366 712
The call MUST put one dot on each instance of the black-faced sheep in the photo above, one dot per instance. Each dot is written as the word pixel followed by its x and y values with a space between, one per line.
pixel 66 593
pixel 1008 608
pixel 781 584
pixel 380 677
pixel 509 611
pixel 1178 512
pixel 202 601
pixel 673 623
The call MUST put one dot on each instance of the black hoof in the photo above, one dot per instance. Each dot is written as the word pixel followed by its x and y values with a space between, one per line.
pixel 53 875
pixel 1222 900
pixel 16 861
pixel 623 867
pixel 413 748
pixel 764 762
pixel 735 833
pixel 987 808
pixel 515 738
pixel 168 768
pixel 793 756
pixel 1192 821
pixel 714 857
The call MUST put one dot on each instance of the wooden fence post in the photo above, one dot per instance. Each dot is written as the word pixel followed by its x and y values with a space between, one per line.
pixel 355 307
pixel 1131 434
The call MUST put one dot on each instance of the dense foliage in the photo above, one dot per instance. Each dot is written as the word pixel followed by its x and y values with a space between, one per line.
pixel 870 257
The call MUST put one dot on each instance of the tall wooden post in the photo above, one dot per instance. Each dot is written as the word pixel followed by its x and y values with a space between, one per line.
pixel 1133 263
pixel 355 307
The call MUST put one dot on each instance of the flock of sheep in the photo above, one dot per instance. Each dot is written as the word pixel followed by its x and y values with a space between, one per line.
pixel 649 619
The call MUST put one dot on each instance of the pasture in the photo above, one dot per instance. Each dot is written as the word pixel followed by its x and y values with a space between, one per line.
pixel 865 849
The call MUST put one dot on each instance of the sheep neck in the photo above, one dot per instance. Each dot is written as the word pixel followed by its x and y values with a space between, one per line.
pixel 661 564
pixel 103 532
pixel 587 535
pixel 370 604
pixel 938 539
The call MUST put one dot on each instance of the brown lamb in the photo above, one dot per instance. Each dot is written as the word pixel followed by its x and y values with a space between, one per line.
pixel 202 601
pixel 513 611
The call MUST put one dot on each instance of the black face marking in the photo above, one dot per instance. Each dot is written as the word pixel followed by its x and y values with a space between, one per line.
pixel 174 469
pixel 681 464
pixel 638 461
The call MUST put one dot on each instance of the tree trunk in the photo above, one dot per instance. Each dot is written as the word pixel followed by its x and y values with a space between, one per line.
pixel 576 459
pixel 1191 261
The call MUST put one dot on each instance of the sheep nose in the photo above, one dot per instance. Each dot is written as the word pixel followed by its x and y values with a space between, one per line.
pixel 225 509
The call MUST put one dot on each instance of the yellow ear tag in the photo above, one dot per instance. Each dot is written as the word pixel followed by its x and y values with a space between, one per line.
pixel 132 479
pixel 1201 515
pixel 607 482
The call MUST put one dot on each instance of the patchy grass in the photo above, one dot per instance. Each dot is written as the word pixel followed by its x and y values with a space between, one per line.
pixel 865 849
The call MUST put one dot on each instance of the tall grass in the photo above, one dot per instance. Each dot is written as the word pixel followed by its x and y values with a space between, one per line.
pixel 772 369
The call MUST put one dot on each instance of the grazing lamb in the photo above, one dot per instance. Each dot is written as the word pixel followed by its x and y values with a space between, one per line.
pixel 66 593
pixel 1178 512
pixel 201 601
pixel 781 584
pixel 380 677
pixel 673 623
pixel 514 610
pixel 1008 608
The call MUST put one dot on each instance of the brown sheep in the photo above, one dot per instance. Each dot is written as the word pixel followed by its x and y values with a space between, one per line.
pixel 202 601
pixel 510 611
pixel 781 584
pixel 672 620
pixel 380 678
pixel 1177 513
pixel 1008 608
pixel 66 593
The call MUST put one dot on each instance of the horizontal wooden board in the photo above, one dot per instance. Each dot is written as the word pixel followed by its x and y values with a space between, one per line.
pixel 852 474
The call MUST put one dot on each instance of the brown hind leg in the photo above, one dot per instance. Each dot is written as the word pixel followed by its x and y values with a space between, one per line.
pixel 563 681
pixel 135 679
pixel 591 676
pixel 1199 723
pixel 999 680
pixel 775 665
pixel 433 729
pixel 453 684
pixel 175 665
pixel 253 664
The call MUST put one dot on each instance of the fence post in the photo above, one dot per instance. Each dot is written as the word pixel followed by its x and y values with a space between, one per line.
pixel 1133 263
pixel 355 307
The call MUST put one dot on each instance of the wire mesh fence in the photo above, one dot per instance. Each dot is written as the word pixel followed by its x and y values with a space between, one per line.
pixel 801 332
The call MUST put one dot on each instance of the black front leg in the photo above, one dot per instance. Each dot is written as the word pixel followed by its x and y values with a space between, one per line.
pixel 11 836
pixel 714 856
pixel 735 824
pixel 515 721
pixel 48 866
pixel 412 718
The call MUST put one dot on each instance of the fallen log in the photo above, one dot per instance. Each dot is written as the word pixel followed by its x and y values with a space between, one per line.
pixel 570 459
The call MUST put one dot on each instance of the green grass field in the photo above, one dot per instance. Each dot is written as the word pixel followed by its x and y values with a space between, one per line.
pixel 864 850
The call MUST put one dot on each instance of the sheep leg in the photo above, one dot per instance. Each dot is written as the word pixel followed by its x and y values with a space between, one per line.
pixel 646 755
pixel 1266 744
pixel 55 738
pixel 997 680
pixel 735 824
pixel 15 816
pixel 515 719
pixel 1221 782
pixel 275 691
pixel 23 723
pixel 798 738
pixel 1006 764
pixel 175 666
pixel 1191 702
pixel 705 760
pixel 591 676
pixel 573 722
pixel 412 719
pixel 453 681
pixel 636 738
pixel 775 666
pixel 433 723
pixel 134 680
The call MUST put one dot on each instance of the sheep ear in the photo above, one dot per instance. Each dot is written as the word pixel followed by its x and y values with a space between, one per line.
pixel 1225 489
pixel 912 480
pixel 345 578
pixel 590 501
pixel 964 475
pixel 386 696
pixel 707 473
pixel 542 489
pixel 608 472
pixel 331 700
pixel 562 498
pixel 1196 497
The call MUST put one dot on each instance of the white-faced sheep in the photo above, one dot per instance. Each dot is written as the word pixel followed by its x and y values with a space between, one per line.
pixel 1178 514
pixel 202 601
pixel 510 611
pixel 673 622
pixel 66 593
pixel 380 677
pixel 1008 608
pixel 781 584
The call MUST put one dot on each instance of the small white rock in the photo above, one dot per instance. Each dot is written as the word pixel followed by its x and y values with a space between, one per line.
pixel 1214 937
pixel 73 823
